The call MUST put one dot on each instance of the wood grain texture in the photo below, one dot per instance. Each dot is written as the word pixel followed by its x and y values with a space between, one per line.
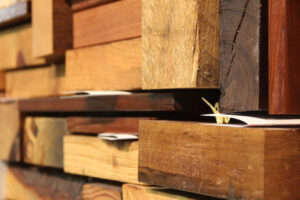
pixel 96 125
pixel 2 81
pixel 36 184
pixel 14 14
pixel 43 141
pixel 52 27
pixel 181 101
pixel 225 162
pixel 78 5
pixel 10 128
pixel 98 191
pixel 114 66
pixel 34 82
pixel 116 21
pixel 92 156
pixel 284 43
pixel 138 192
pixel 243 55
pixel 180 50
pixel 16 48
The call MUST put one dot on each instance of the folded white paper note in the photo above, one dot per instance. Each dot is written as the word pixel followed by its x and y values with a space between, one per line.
pixel 117 136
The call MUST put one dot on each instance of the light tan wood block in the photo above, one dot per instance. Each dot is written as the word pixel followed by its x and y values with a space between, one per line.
pixel 10 141
pixel 114 66
pixel 16 48
pixel 180 50
pixel 92 156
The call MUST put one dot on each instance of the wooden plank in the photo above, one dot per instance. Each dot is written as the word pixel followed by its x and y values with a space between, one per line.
pixel 16 48
pixel 14 14
pixel 2 81
pixel 92 156
pixel 34 184
pixel 98 191
pixel 43 141
pixel 137 192
pixel 116 21
pixel 243 55
pixel 225 162
pixel 181 101
pixel 10 125
pixel 78 5
pixel 34 82
pixel 180 50
pixel 96 125
pixel 115 66
pixel 52 27
pixel 284 43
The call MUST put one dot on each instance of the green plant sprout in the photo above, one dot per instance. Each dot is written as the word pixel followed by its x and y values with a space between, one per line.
pixel 216 111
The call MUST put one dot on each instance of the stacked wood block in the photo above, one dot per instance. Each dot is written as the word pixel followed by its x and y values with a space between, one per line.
pixel 143 72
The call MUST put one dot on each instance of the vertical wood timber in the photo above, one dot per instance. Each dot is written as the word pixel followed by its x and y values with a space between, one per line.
pixel 10 125
pixel 52 28
pixel 180 44
pixel 243 55
pixel 284 66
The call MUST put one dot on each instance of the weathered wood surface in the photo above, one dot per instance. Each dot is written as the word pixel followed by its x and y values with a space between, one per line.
pixel 14 14
pixel 92 156
pixel 10 129
pixel 138 192
pixel 243 55
pixel 284 61
pixel 96 125
pixel 181 101
pixel 98 191
pixel 52 28
pixel 43 141
pixel 114 66
pixel 78 5
pixel 180 50
pixel 35 184
pixel 34 82
pixel 225 162
pixel 16 48
pixel 115 21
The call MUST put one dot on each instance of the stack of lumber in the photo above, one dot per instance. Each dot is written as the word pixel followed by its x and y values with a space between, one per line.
pixel 71 70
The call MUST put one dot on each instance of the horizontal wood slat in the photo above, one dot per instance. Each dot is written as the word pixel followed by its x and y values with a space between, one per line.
pixel 225 162
pixel 107 23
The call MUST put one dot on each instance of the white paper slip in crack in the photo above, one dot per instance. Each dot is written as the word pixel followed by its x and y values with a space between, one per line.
pixel 256 121
pixel 98 93
pixel 117 136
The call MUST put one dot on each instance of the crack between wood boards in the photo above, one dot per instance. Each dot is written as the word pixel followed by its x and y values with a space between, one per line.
pixel 233 46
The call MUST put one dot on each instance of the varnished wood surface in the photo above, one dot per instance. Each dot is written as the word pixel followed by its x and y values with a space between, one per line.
pixel 96 125
pixel 10 132
pixel 43 141
pixel 94 157
pixel 16 13
pixel 78 5
pixel 180 50
pixel 243 55
pixel 115 21
pixel 284 44
pixel 225 162
pixel 177 101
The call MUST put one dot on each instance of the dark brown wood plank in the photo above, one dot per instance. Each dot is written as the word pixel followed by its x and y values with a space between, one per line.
pixel 181 101
pixel 284 66
pixel 225 162
pixel 78 5
pixel 16 13
pixel 100 125
pixel 243 55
